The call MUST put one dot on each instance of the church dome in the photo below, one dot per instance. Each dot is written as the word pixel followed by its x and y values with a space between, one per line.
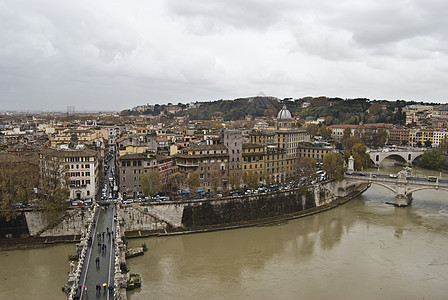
pixel 284 113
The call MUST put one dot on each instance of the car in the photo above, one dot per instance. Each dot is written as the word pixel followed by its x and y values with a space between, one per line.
pixel 77 203
pixel 362 174
pixel 374 176
pixel 392 176
pixel 129 201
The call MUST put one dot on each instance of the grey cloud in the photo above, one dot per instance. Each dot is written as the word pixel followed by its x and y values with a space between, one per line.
pixel 116 54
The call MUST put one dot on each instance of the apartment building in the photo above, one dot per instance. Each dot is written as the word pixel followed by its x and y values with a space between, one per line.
pixel 80 167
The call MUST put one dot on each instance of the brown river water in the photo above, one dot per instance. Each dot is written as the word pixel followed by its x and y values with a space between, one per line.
pixel 364 249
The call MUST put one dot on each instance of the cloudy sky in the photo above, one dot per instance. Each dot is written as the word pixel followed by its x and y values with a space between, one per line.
pixel 112 55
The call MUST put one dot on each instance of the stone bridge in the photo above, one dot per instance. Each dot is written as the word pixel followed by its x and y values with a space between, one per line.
pixel 402 186
pixel 406 156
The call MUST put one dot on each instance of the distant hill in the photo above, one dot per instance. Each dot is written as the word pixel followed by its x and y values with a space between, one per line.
pixel 336 110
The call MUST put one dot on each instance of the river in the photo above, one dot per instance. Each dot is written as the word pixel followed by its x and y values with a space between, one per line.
pixel 364 249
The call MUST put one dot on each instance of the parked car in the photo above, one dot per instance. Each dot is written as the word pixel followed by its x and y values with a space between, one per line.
pixel 129 201
pixel 392 176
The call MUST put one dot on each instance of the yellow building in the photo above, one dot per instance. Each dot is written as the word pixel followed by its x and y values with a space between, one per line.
pixel 427 134
pixel 253 160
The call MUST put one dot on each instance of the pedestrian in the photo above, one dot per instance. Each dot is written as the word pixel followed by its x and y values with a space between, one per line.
pixel 113 240
pixel 105 286
pixel 85 289
pixel 107 228
pixel 103 235
pixel 98 288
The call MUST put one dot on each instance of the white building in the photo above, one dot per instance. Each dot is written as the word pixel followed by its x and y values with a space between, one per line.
pixel 80 167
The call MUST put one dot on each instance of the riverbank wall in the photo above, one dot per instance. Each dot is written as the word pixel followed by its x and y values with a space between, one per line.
pixel 235 212
pixel 168 218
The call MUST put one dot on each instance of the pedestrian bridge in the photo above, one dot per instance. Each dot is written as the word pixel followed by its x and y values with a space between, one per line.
pixel 406 156
pixel 402 186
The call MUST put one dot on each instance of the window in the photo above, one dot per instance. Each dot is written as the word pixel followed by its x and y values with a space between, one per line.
pixel 87 173
pixel 87 182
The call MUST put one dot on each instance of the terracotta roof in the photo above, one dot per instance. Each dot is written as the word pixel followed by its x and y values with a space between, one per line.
pixel 252 145
pixel 206 147
pixel 68 152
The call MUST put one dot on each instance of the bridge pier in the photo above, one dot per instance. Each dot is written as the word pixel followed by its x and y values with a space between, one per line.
pixel 403 200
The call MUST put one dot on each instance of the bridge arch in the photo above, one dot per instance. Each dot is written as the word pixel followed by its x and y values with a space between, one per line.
pixel 407 157
pixel 358 182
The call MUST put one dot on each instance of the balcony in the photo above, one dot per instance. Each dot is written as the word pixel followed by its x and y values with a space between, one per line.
pixel 187 165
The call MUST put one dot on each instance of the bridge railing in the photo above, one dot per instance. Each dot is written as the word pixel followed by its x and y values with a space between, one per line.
pixel 420 182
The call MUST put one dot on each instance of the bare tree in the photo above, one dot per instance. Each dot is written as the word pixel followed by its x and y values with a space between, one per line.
pixel 306 168
pixel 151 182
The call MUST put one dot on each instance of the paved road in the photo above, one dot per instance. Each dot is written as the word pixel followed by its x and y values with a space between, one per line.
pixel 104 272
pixel 383 176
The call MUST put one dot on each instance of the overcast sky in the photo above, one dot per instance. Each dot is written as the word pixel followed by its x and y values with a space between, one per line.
pixel 112 55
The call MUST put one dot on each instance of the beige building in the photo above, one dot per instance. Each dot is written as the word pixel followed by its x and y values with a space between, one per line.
pixel 211 162
pixel 80 167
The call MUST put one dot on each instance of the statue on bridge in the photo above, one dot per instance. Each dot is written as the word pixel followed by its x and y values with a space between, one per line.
pixel 404 173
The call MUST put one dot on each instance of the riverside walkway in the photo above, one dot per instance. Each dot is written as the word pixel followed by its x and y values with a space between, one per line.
pixel 99 272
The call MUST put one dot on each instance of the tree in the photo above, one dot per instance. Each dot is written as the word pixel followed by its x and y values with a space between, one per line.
pixel 362 159
pixel 268 177
pixel 433 160
pixel 150 182
pixel 350 142
pixel 334 166
pixel 328 120
pixel 312 129
pixel 176 181
pixel 51 200
pixel 347 134
pixel 444 145
pixel 250 179
pixel 428 143
pixel 17 180
pixel 306 168
pixel 193 181
pixel 325 132
pixel 215 179
pixel 380 137
pixel 375 108
pixel 234 179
